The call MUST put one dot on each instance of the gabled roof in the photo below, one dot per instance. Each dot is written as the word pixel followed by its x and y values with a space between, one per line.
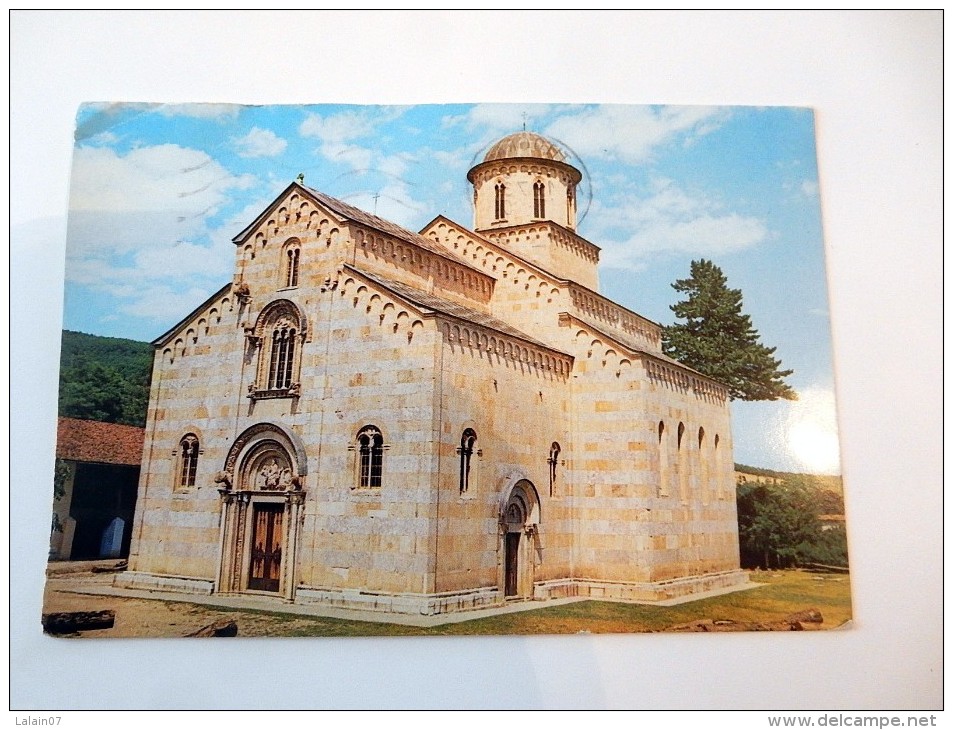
pixel 98 442
pixel 349 212
pixel 438 304
pixel 636 349
pixel 167 335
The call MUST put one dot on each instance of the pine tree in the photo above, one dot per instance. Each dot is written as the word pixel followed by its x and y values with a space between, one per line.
pixel 717 340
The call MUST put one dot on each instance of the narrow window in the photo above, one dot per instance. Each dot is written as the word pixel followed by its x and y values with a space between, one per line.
pixel 703 485
pixel 682 466
pixel 188 460
pixel 663 461
pixel 539 200
pixel 370 444
pixel 553 460
pixel 719 492
pixel 281 367
pixel 467 442
pixel 291 266
pixel 500 201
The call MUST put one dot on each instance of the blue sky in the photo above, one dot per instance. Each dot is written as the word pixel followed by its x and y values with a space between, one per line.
pixel 158 191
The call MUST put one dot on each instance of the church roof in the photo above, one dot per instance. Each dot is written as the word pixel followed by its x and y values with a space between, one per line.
pixel 385 226
pixel 524 144
pixel 438 304
pixel 362 217
pixel 98 442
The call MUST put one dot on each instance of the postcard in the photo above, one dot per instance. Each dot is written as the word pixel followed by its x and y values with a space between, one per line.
pixel 445 369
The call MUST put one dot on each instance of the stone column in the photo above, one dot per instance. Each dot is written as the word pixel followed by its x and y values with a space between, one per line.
pixel 225 541
pixel 295 517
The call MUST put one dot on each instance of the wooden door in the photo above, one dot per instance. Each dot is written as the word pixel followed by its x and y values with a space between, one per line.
pixel 265 570
pixel 512 564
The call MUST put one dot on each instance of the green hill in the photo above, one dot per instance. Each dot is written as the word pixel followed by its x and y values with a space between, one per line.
pixel 829 482
pixel 104 378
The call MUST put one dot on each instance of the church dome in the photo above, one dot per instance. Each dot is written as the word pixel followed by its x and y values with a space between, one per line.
pixel 524 144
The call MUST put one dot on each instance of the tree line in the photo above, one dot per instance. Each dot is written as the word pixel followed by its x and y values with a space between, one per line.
pixel 104 378
pixel 779 525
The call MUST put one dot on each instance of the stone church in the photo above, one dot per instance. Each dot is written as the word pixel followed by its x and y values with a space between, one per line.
pixel 371 418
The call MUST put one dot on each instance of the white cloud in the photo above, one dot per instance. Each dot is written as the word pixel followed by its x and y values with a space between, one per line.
pixel 337 128
pixel 162 303
pixel 632 133
pixel 500 118
pixel 160 178
pixel 138 226
pixel 353 156
pixel 259 143
pixel 809 188
pixel 668 220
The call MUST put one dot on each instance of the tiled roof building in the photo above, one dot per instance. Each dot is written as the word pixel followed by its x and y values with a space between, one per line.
pixel 93 518
pixel 95 441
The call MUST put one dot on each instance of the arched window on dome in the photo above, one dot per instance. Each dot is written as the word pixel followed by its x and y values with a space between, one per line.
pixel 539 199
pixel 571 206
pixel 500 207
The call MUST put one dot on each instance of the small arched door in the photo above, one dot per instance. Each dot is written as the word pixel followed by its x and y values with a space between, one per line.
pixel 519 519
pixel 515 523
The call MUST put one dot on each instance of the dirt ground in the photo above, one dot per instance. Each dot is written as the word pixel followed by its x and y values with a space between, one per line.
pixel 137 618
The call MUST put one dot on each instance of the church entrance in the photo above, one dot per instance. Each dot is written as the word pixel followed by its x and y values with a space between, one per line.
pixel 262 512
pixel 512 563
pixel 520 538
pixel 265 568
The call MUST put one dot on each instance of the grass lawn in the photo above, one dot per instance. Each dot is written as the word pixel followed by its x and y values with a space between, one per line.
pixel 782 593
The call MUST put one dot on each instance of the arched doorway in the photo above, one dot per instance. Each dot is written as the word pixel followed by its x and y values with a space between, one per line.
pixel 262 503
pixel 519 522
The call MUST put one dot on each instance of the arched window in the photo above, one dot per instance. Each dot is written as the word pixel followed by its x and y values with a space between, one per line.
pixel 719 492
pixel 571 206
pixel 467 443
pixel 370 446
pixel 500 208
pixel 539 200
pixel 702 467
pixel 682 465
pixel 278 335
pixel 281 363
pixel 663 461
pixel 292 255
pixel 553 460
pixel 188 460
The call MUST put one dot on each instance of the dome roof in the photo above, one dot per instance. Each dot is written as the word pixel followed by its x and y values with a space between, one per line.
pixel 524 144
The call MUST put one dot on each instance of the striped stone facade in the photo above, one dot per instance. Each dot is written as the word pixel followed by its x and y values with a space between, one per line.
pixel 373 418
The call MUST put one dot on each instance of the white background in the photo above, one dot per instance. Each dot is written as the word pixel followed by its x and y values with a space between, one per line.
pixel 875 82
